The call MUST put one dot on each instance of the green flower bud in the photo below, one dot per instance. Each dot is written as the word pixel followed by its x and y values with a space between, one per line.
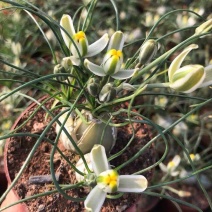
pixel 67 63
pixel 93 87
pixel 147 51
pixel 60 69
pixel 204 28
pixel 108 93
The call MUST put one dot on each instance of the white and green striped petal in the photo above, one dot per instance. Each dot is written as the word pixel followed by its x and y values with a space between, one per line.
pixel 124 74
pixel 67 23
pixel 99 159
pixel 97 46
pixel 116 41
pixel 95 69
pixel 208 77
pixel 95 199
pixel 188 78
pixel 176 63
pixel 132 183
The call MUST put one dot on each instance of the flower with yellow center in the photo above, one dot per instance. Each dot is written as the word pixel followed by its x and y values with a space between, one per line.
pixel 108 180
pixel 194 157
pixel 80 40
pixel 171 166
pixel 190 77
pixel 112 61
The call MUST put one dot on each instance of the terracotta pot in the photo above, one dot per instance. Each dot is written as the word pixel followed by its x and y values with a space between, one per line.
pixel 3 180
pixel 13 197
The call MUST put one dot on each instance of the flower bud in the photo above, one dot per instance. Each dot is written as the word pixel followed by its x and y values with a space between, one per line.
pixel 67 63
pixel 60 69
pixel 112 61
pixel 204 28
pixel 108 93
pixel 188 78
pixel 147 51
pixel 93 87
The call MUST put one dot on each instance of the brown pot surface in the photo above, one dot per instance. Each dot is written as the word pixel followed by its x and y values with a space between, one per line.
pixel 18 149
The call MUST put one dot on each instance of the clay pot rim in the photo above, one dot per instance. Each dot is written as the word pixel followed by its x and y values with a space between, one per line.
pixel 21 206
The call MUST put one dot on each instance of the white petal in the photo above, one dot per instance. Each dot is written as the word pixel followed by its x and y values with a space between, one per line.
pixel 81 167
pixel 95 199
pixel 99 159
pixel 75 60
pixel 67 23
pixel 208 78
pixel 116 41
pixel 132 183
pixel 163 167
pixel 95 69
pixel 174 174
pixel 176 63
pixel 97 46
pixel 176 160
pixel 124 74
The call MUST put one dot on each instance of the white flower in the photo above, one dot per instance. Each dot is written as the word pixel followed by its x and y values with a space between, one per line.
pixel 171 166
pixel 80 40
pixel 112 61
pixel 188 78
pixel 109 181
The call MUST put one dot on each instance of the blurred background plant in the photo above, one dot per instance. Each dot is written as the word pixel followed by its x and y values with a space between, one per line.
pixel 24 46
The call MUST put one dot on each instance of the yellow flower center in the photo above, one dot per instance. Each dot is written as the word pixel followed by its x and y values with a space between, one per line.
pixel 192 156
pixel 111 179
pixel 108 181
pixel 170 164
pixel 79 35
pixel 117 53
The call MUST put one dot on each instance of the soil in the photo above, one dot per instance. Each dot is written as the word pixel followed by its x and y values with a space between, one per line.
pixel 19 148
pixel 196 197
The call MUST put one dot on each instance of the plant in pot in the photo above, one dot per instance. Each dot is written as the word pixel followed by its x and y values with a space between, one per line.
pixel 85 145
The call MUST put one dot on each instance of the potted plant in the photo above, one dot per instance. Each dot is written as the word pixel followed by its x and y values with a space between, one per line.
pixel 85 145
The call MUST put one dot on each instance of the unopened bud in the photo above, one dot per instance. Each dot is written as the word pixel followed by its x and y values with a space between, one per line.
pixel 67 63
pixel 108 93
pixel 147 51
pixel 58 69
pixel 93 87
